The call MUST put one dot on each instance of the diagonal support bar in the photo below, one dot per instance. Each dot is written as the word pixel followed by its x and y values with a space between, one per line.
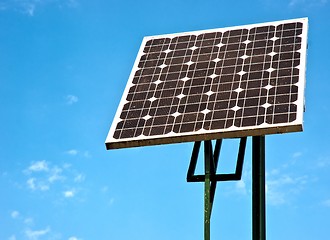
pixel 214 166
pixel 191 177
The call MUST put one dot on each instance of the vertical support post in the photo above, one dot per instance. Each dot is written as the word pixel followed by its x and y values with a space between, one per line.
pixel 210 178
pixel 258 188
pixel 207 193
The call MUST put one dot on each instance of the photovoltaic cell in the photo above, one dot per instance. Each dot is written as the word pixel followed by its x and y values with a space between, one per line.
pixel 220 83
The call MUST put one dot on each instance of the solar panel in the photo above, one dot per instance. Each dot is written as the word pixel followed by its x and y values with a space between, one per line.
pixel 220 83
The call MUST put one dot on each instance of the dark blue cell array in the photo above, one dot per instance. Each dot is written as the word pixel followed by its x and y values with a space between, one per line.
pixel 214 81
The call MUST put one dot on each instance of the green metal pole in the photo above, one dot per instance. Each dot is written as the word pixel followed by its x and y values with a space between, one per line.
pixel 207 186
pixel 258 189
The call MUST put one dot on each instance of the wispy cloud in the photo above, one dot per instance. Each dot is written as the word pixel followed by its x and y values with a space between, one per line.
pixel 29 229
pixel 72 152
pixel 297 154
pixel 294 2
pixel 104 189
pixel 73 3
pixel 241 187
pixel 28 221
pixel 74 238
pixel 36 234
pixel 326 203
pixel 46 175
pixel 87 154
pixel 69 193
pixel 71 99
pixel 55 174
pixel 76 152
pixel 281 187
pixel 111 201
pixel 29 7
pixel 31 184
pixel 34 184
pixel 12 237
pixel 307 3
pixel 79 178
pixel 14 214
pixel 323 162
pixel 38 166
pixel 43 175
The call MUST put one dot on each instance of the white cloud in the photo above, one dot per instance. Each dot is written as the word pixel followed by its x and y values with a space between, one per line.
pixel 3 6
pixel 42 175
pixel 64 179
pixel 241 187
pixel 87 154
pixel 104 189
pixel 74 238
pixel 323 162
pixel 79 178
pixel 274 171
pixel 14 214
pixel 55 174
pixel 71 99
pixel 38 166
pixel 22 6
pixel 29 7
pixel 326 203
pixel 307 3
pixel 274 197
pixel 12 237
pixel 30 232
pixel 72 152
pixel 69 194
pixel 28 221
pixel 34 235
pixel 111 201
pixel 66 165
pixel 73 3
pixel 281 188
pixel 33 184
pixel 294 2
pixel 75 152
pixel 43 187
pixel 297 154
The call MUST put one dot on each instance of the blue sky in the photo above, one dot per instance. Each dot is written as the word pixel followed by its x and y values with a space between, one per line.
pixel 63 67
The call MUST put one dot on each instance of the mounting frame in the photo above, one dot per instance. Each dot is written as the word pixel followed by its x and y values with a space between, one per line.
pixel 210 179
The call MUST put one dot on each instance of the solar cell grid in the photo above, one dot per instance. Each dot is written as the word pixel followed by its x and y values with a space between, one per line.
pixel 226 82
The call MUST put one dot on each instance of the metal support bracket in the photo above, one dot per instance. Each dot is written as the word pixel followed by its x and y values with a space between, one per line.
pixel 210 178
pixel 214 159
